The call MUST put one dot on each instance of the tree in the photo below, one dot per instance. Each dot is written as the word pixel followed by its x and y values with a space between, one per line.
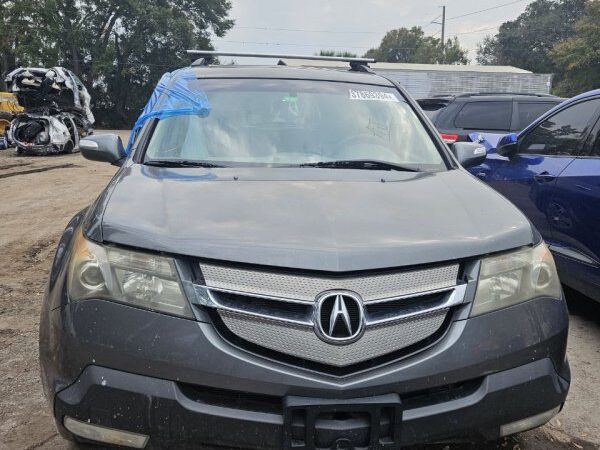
pixel 120 49
pixel 526 42
pixel 21 35
pixel 406 45
pixel 579 56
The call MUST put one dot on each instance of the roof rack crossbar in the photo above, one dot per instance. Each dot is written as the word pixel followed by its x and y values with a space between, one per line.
pixel 483 93
pixel 209 54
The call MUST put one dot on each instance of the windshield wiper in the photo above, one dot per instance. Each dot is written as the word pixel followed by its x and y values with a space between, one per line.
pixel 179 163
pixel 361 164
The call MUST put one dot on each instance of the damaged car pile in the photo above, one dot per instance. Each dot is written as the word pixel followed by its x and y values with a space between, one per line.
pixel 57 110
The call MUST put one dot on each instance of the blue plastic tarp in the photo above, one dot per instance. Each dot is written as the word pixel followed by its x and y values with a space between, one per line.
pixel 174 95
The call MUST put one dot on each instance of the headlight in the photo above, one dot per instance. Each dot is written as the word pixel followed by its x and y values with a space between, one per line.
pixel 139 279
pixel 515 277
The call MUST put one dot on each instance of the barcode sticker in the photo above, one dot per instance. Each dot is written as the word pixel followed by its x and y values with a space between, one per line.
pixel 373 95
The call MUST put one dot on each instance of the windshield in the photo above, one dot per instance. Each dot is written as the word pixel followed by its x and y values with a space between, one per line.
pixel 294 123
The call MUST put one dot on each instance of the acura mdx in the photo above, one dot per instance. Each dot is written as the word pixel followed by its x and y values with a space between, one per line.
pixel 292 258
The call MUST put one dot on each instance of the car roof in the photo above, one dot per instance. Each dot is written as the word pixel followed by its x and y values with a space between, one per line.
pixel 492 96
pixel 509 97
pixel 290 73
pixel 588 94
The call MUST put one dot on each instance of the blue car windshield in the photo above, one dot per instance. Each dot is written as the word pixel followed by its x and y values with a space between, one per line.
pixel 268 122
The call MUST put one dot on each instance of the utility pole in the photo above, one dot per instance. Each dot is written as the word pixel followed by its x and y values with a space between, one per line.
pixel 443 24
pixel 443 33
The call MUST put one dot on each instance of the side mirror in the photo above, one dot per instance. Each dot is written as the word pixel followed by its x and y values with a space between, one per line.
pixel 103 147
pixel 507 146
pixel 469 154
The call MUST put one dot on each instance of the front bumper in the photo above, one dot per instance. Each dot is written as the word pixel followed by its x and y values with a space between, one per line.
pixel 180 382
pixel 175 416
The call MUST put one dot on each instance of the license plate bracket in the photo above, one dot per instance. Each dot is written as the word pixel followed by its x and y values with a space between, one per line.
pixel 372 423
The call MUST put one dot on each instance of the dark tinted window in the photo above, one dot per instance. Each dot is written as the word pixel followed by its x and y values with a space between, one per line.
pixel 485 116
pixel 529 111
pixel 562 133
pixel 596 148
pixel 433 113
pixel 432 107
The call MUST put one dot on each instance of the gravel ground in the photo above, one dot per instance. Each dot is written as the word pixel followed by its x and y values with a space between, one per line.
pixel 38 195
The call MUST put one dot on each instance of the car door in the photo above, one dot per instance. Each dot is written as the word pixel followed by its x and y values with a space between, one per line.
pixel 575 217
pixel 528 177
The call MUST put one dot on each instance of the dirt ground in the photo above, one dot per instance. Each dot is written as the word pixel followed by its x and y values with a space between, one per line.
pixel 38 195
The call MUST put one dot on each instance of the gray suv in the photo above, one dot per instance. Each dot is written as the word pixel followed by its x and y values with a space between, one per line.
pixel 298 263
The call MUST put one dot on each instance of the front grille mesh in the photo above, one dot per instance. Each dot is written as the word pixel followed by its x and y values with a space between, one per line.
pixel 306 288
pixel 302 342
pixel 275 313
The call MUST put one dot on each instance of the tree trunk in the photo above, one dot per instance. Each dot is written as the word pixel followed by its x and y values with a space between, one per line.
pixel 4 68
pixel 75 59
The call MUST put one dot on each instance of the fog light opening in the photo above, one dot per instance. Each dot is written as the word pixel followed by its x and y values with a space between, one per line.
pixel 104 434
pixel 528 423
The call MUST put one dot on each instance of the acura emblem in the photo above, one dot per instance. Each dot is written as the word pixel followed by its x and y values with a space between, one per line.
pixel 339 317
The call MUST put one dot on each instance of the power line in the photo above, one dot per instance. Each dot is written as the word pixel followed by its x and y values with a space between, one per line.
pixel 487 9
pixel 476 31
pixel 301 30
pixel 429 23
pixel 322 46
pixel 433 21
pixel 325 46
pixel 310 31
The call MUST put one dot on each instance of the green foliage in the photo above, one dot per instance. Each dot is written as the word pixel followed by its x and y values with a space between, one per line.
pixel 579 56
pixel 526 42
pixel 406 45
pixel 21 36
pixel 120 48
pixel 344 54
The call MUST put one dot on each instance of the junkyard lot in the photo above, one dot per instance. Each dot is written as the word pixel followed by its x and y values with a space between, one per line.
pixel 38 195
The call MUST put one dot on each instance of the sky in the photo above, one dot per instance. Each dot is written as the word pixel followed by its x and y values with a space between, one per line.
pixel 307 26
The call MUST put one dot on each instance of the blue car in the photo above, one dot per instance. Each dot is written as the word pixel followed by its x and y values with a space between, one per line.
pixel 551 171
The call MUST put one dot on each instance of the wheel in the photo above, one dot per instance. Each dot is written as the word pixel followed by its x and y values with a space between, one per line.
pixel 69 147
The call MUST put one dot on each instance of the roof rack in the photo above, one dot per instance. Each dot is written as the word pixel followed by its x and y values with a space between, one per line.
pixel 475 94
pixel 204 57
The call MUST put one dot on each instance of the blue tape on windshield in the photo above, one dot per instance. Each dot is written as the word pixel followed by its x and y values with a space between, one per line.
pixel 174 95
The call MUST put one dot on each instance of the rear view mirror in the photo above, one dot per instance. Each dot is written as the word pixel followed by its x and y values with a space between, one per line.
pixel 469 154
pixel 103 147
pixel 507 146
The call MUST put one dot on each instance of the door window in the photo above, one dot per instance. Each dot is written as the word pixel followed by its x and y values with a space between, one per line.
pixel 529 111
pixel 561 134
pixel 485 116
pixel 596 147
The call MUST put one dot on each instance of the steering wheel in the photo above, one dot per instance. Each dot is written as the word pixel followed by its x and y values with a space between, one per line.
pixel 380 150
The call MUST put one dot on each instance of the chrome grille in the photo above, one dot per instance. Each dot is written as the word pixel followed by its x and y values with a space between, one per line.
pixel 302 342
pixel 306 288
pixel 278 311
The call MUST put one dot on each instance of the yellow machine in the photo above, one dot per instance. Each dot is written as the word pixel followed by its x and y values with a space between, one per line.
pixel 9 105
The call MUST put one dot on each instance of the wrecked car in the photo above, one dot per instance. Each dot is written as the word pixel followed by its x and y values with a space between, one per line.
pixel 57 110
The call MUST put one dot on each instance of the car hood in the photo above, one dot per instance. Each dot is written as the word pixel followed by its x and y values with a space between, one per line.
pixel 314 219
